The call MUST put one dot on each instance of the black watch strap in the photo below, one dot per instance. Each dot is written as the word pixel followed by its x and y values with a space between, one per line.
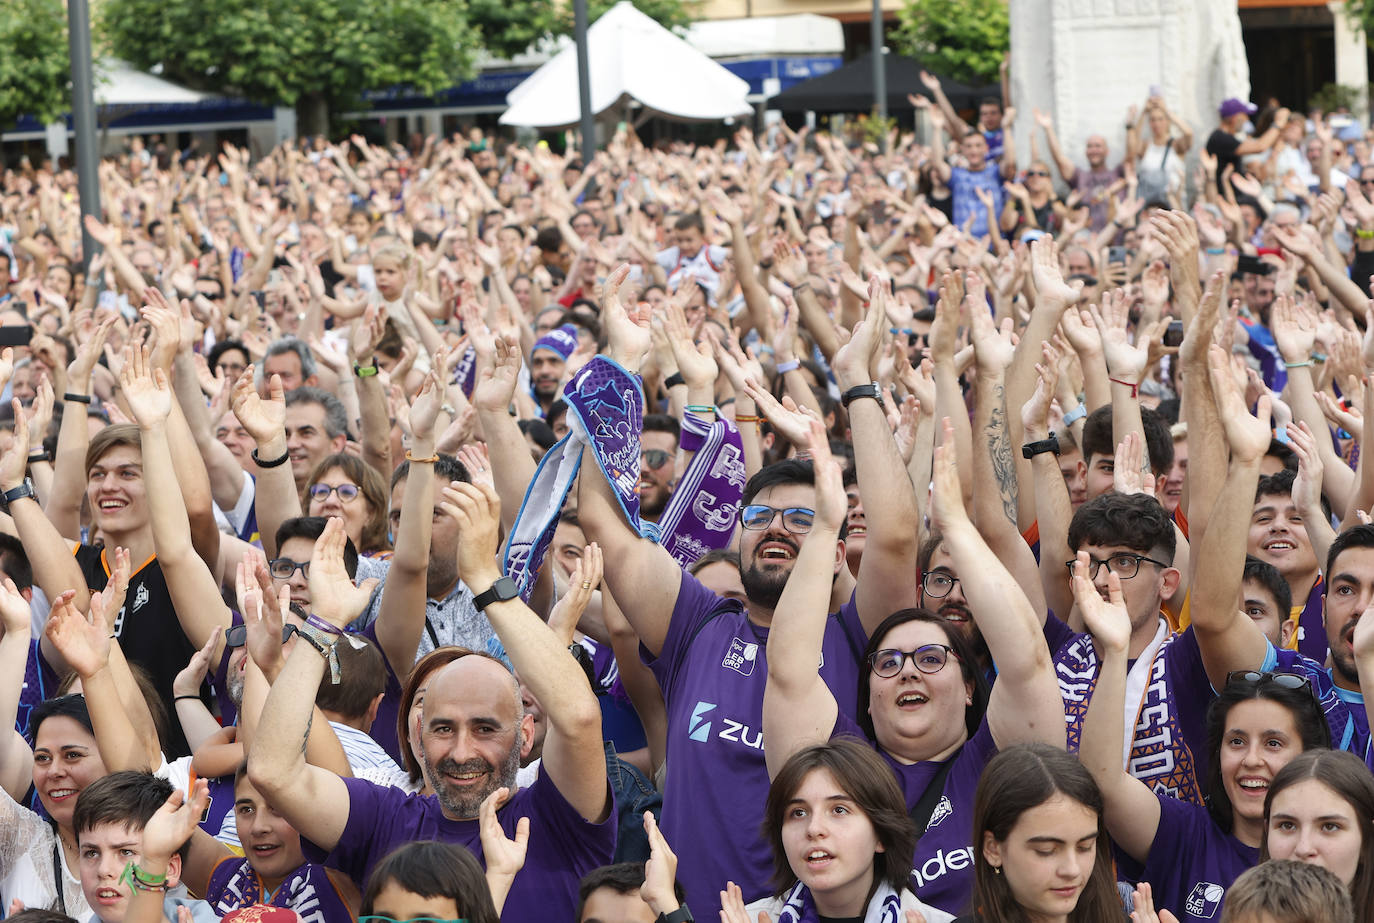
pixel 673 380
pixel 500 591
pixel 19 493
pixel 680 915
pixel 1032 449
pixel 872 389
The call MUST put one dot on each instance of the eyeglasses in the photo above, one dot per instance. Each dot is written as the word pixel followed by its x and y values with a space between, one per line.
pixel 937 584
pixel 237 635
pixel 1124 564
pixel 795 519
pixel 1045 173
pixel 284 568
pixel 929 658
pixel 656 458
pixel 321 492
pixel 1282 680
pixel 381 918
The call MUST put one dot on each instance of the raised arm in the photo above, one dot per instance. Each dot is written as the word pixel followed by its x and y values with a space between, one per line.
pixel 1053 507
pixel 957 126
pixel 16 760
pixel 1067 171
pixel 886 573
pixel 1129 807
pixel 276 499
pixel 573 756
pixel 374 423
pixel 1228 639
pixel 1025 705
pixel 798 708
pixel 276 756
pixel 644 578
pixel 1126 362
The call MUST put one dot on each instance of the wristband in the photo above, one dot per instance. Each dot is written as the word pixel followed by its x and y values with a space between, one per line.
pixel 745 418
pixel 1215 251
pixel 135 877
pixel 1362 234
pixel 316 622
pixel 1298 365
pixel 42 455
pixel 700 408
pixel 673 380
pixel 1073 416
pixel 422 461
pixel 86 398
pixel 179 698
pixel 1134 386
pixel 366 371
pixel 872 389
pixel 272 463
pixel 791 365
pixel 1319 357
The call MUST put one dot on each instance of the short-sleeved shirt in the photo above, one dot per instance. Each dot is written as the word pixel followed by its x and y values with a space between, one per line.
pixel 963 185
pixel 563 846
pixel 712 670
pixel 1223 146
pixel 147 629
pixel 942 868
pixel 1192 862
pixel 1089 183
pixel 1343 708
pixel 309 890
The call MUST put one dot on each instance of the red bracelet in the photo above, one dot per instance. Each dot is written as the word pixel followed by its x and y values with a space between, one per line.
pixel 1135 388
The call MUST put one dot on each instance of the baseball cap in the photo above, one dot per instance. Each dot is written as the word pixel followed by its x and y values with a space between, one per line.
pixel 1234 106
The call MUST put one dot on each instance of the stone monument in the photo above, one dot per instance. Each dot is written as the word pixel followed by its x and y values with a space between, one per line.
pixel 1087 61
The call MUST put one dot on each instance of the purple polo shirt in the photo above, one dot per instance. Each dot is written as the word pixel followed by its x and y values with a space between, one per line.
pixel 712 671
pixel 562 847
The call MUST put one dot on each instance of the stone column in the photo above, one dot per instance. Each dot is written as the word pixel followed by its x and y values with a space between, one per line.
pixel 1352 64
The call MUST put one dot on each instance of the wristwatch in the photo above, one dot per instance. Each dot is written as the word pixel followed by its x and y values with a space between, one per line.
pixel 680 915
pixel 872 389
pixel 19 493
pixel 500 591
pixel 1032 449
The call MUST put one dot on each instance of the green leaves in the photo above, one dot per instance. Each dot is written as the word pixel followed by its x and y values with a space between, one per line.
pixel 962 39
pixel 34 69
pixel 290 50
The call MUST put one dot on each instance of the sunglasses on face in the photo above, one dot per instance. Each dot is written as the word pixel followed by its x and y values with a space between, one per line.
pixel 655 458
pixel 1037 173
pixel 795 519
pixel 321 492
pixel 929 658
pixel 237 635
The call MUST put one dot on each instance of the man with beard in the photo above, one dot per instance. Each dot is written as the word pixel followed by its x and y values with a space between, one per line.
pixel 473 732
pixel 657 464
pixel 548 359
pixel 708 652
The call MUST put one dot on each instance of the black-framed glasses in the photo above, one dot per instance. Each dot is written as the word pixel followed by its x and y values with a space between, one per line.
pixel 928 658
pixel 1125 564
pixel 237 635
pixel 938 583
pixel 1282 680
pixel 284 568
pixel 795 519
pixel 321 492
pixel 655 458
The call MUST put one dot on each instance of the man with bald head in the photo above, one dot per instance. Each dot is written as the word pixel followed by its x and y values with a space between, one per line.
pixel 1091 184
pixel 473 733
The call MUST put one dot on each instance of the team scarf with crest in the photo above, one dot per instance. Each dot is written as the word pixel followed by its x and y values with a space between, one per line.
pixel 798 906
pixel 701 514
pixel 1154 752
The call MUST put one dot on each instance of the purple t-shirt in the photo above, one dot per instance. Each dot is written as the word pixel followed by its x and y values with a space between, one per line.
pixel 562 848
pixel 712 669
pixel 1192 862
pixel 383 729
pixel 1312 624
pixel 942 869
pixel 306 890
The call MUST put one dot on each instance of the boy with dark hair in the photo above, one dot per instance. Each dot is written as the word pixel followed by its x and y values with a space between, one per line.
pixel 1099 449
pixel 1280 535
pixel 610 894
pixel 691 257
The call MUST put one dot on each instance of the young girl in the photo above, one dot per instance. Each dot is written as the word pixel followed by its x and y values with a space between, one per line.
pixel 1041 850
pixel 433 881
pixel 840 835
pixel 1320 810
pixel 1257 724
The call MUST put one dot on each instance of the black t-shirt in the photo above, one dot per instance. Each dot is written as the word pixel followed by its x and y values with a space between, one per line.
pixel 1222 145
pixel 148 632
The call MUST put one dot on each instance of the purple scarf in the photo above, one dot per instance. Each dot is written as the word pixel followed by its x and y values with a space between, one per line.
pixel 705 504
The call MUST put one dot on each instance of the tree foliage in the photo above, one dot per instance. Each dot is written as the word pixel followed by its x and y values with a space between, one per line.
pixel 34 66
pixel 508 27
pixel 962 39
pixel 317 55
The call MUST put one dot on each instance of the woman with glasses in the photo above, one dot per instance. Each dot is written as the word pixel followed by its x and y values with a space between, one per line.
pixel 1257 724
pixel 1036 205
pixel 344 485
pixel 923 702
pixel 1320 810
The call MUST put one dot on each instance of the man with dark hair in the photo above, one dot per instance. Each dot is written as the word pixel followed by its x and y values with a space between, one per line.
pixel 610 894
pixel 1266 599
pixel 316 427
pixel 290 358
pixel 351 706
pixel 1099 450
pixel 657 464
pixel 1279 536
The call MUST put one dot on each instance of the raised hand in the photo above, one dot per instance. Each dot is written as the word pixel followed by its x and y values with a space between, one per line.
pixel 145 387
pixel 786 417
pixel 1144 904
pixel 1125 360
pixel 429 402
pixel 261 607
pixel 584 580
pixel 82 642
pixel 477 510
pixel 165 322
pixel 627 328
pixel 188 679
pixel 660 872
pixel 265 420
pixel 992 347
pixel 174 823
pixel 1107 619
pixel 1295 329
pixel 1050 286
pixel 1035 413
pixel 494 386
pixel 333 597
pixel 947 496
pixel 694 360
pixel 503 856
pixel 1128 470
pixel 15 615
pixel 1248 435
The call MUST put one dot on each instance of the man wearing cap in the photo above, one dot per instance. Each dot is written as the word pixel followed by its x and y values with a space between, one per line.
pixel 548 359
pixel 1228 144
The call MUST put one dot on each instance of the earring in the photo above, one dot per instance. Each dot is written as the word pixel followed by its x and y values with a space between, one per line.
pixel 997 870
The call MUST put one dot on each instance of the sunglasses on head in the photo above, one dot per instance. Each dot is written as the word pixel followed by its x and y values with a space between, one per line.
pixel 1282 680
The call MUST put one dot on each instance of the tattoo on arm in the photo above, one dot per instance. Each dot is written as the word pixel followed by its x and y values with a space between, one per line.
pixel 999 450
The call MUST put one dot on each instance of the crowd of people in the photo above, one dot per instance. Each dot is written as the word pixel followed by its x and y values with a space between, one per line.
pixel 468 531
